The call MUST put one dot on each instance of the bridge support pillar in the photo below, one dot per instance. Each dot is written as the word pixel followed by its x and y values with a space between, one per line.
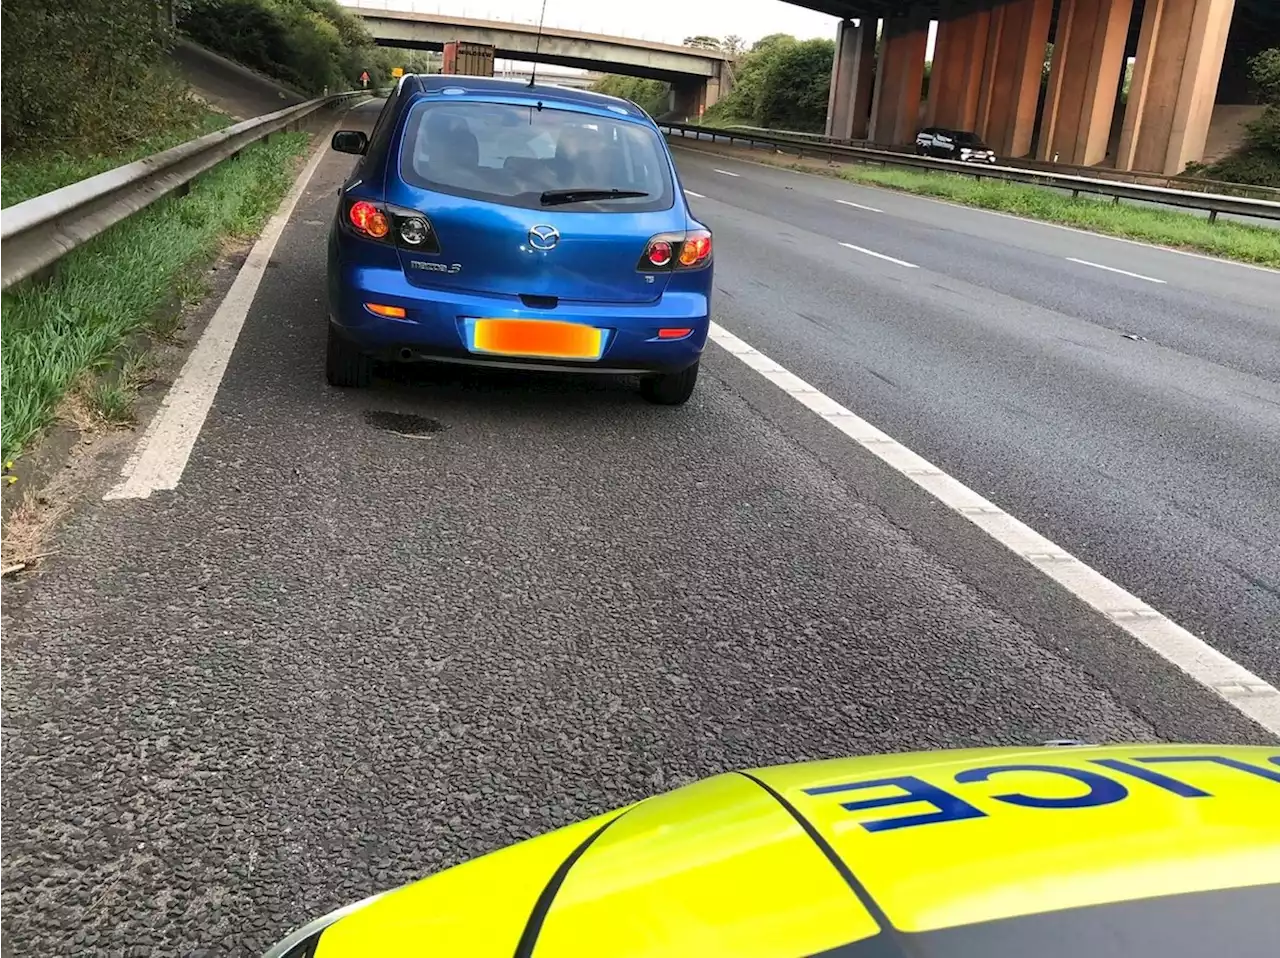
pixel 1088 56
pixel 691 98
pixel 1174 84
pixel 954 84
pixel 852 74
pixel 895 107
pixel 1012 67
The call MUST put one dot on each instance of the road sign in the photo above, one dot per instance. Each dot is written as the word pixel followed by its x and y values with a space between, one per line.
pixel 364 78
pixel 398 72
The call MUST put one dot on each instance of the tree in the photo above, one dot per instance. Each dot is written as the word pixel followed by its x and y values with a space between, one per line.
pixel 702 42
pixel 309 44
pixel 779 82
pixel 793 95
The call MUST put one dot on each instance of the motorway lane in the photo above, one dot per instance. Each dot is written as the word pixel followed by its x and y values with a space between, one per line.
pixel 336 658
pixel 1006 364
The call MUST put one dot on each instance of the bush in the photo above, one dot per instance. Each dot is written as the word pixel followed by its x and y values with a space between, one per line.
pixel 1258 161
pixel 312 45
pixel 793 95
pixel 652 96
pixel 1257 167
pixel 86 74
pixel 780 82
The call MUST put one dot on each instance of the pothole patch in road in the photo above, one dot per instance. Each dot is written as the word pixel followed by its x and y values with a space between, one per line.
pixel 408 425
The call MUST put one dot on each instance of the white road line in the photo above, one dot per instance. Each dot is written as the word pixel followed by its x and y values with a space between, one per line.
pixel 1112 269
pixel 859 206
pixel 1008 216
pixel 161 455
pixel 727 173
pixel 1238 686
pixel 695 195
pixel 871 252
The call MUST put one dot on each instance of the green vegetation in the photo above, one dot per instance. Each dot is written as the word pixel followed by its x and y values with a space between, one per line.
pixel 32 174
pixel 1249 244
pixel 650 95
pixel 311 45
pixel 55 333
pixel 87 76
pixel 780 83
pixel 1258 162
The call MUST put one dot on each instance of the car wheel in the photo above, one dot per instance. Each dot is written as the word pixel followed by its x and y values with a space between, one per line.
pixel 345 365
pixel 670 389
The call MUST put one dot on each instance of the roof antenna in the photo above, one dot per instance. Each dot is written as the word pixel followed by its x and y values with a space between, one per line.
pixel 537 45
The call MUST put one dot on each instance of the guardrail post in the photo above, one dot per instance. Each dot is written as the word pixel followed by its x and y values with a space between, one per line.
pixel 1213 215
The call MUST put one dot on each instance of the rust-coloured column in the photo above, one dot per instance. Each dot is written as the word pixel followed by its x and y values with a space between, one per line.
pixel 895 110
pixel 1174 84
pixel 958 55
pixel 852 74
pixel 1011 78
pixel 1088 55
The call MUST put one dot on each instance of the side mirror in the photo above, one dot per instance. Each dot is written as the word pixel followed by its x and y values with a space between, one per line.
pixel 350 141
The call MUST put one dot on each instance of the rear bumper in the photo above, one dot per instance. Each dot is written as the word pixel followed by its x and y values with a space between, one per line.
pixel 434 327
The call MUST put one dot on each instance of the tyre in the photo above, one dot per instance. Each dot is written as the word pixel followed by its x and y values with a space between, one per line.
pixel 670 389
pixel 345 365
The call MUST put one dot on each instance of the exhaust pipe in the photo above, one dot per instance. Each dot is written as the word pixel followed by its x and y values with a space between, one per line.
pixel 406 354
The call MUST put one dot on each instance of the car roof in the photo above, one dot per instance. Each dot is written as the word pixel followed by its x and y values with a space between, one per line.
pixel 546 93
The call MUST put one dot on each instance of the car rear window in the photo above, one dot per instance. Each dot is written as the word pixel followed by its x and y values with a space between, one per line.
pixel 512 154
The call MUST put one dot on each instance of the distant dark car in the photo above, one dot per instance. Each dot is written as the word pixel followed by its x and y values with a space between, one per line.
pixel 953 145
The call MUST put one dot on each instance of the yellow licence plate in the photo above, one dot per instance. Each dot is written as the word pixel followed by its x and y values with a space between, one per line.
pixel 537 338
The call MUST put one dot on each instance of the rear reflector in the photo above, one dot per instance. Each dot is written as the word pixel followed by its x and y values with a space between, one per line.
pixel 394 312
pixel 674 333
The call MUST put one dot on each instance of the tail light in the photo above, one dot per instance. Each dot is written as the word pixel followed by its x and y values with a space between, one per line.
pixel 668 251
pixel 407 229
pixel 696 250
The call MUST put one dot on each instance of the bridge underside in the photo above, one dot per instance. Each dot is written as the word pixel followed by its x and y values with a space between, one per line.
pixel 691 95
pixel 988 73
pixel 579 63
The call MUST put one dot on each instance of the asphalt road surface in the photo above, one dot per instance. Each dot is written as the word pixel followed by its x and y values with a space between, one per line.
pixel 337 657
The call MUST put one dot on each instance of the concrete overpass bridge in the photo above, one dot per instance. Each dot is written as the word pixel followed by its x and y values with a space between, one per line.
pixel 987 73
pixel 698 77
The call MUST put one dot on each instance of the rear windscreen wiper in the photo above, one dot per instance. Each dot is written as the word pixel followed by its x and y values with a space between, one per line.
pixel 559 197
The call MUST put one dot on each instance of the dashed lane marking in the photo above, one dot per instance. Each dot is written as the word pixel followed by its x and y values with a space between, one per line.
pixel 1112 269
pixel 727 173
pixel 859 206
pixel 695 195
pixel 871 252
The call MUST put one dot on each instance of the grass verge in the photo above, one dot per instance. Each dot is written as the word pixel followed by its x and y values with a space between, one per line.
pixel 55 333
pixel 1238 241
pixel 1163 227
pixel 33 174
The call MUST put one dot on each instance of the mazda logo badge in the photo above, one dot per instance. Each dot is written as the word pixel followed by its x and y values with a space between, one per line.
pixel 544 237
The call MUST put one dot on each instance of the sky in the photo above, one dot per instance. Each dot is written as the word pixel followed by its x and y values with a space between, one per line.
pixel 666 21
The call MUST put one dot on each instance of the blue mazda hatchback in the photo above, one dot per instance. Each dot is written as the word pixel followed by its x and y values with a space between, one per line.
pixel 495 223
